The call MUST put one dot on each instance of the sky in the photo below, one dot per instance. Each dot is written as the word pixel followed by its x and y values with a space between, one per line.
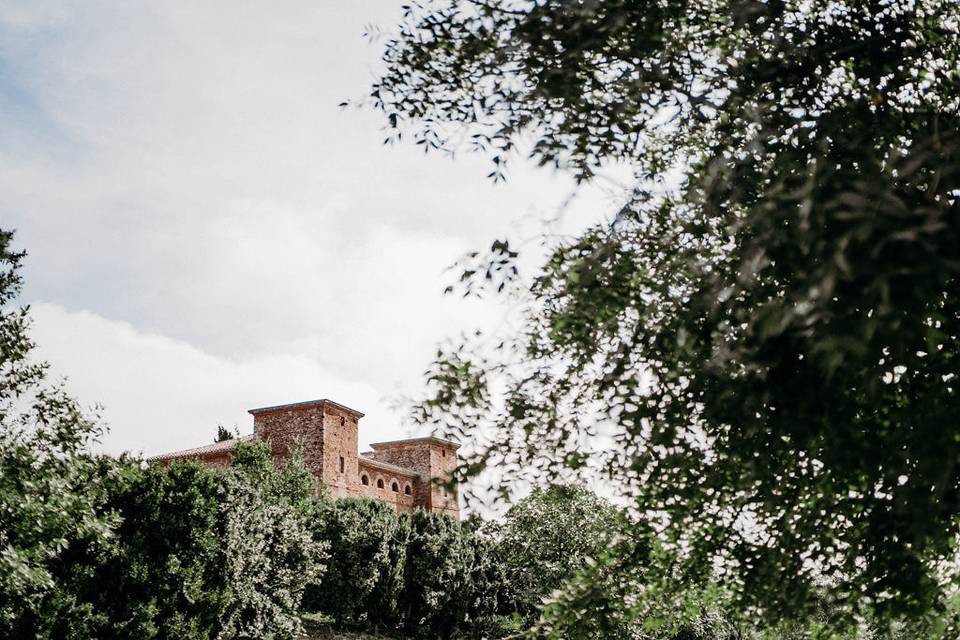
pixel 208 231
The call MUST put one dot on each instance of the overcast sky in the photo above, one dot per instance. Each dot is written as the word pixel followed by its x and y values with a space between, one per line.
pixel 208 232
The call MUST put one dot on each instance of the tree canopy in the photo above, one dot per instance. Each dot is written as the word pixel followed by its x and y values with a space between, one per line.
pixel 769 327
pixel 547 538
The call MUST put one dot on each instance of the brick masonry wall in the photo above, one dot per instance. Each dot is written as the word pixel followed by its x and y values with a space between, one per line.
pixel 339 451
pixel 328 434
pixel 400 499
pixel 434 463
pixel 284 428
pixel 220 461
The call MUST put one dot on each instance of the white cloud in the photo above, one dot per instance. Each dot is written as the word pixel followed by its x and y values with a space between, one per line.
pixel 161 395
pixel 211 232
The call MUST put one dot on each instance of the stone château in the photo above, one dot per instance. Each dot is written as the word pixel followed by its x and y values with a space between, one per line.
pixel 407 474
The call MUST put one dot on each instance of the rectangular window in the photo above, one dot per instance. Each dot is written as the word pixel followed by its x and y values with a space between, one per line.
pixel 341 464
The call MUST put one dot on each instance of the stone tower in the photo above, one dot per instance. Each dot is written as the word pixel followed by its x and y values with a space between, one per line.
pixel 407 474
pixel 433 460
pixel 327 431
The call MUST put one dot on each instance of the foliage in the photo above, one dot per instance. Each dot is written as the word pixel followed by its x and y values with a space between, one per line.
pixel 546 538
pixel 223 434
pixel 574 566
pixel 195 554
pixel 50 498
pixel 486 576
pixel 770 327
pixel 423 574
pixel 164 568
pixel 445 587
pixel 269 553
pixel 364 574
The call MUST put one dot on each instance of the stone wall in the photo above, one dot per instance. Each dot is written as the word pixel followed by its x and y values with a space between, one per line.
pixel 398 487
pixel 434 461
pixel 340 450
pixel 405 473
pixel 284 428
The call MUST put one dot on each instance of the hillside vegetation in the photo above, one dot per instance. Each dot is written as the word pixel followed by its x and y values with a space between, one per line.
pixel 98 547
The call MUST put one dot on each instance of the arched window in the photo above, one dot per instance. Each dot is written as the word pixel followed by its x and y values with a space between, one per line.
pixel 364 480
pixel 395 487
pixel 379 483
pixel 406 489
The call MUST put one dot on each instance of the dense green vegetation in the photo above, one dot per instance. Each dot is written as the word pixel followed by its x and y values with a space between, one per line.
pixel 769 328
pixel 99 547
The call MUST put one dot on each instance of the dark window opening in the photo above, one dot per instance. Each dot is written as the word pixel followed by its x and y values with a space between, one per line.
pixel 380 483
pixel 406 490
pixel 341 464
pixel 395 487
pixel 343 421
pixel 364 480
pixel 444 453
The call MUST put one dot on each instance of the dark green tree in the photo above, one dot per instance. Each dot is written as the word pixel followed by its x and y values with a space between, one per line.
pixel 165 571
pixel 364 575
pixel 442 574
pixel 224 434
pixel 770 326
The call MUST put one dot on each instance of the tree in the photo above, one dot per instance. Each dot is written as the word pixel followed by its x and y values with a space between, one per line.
pixel 771 334
pixel 165 568
pixel 269 554
pixel 224 434
pixel 47 503
pixel 445 583
pixel 364 575
pixel 546 539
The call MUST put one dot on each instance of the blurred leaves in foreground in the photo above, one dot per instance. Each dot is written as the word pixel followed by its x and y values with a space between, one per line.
pixel 767 333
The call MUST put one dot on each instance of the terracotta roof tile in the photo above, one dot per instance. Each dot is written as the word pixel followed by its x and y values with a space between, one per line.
pixel 200 452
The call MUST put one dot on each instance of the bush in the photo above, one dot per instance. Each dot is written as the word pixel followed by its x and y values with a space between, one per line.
pixel 164 569
pixel 192 553
pixel 447 581
pixel 364 574
pixel 545 539
pixel 268 551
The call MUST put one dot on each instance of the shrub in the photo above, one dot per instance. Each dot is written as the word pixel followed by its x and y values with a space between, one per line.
pixel 545 539
pixel 164 570
pixel 442 575
pixel 364 574
pixel 193 553
pixel 268 551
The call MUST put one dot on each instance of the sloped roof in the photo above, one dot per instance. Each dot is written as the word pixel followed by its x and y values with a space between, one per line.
pixel 305 405
pixel 216 448
pixel 412 441
pixel 386 466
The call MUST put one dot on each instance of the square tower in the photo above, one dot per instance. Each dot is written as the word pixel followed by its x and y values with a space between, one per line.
pixel 433 459
pixel 327 432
